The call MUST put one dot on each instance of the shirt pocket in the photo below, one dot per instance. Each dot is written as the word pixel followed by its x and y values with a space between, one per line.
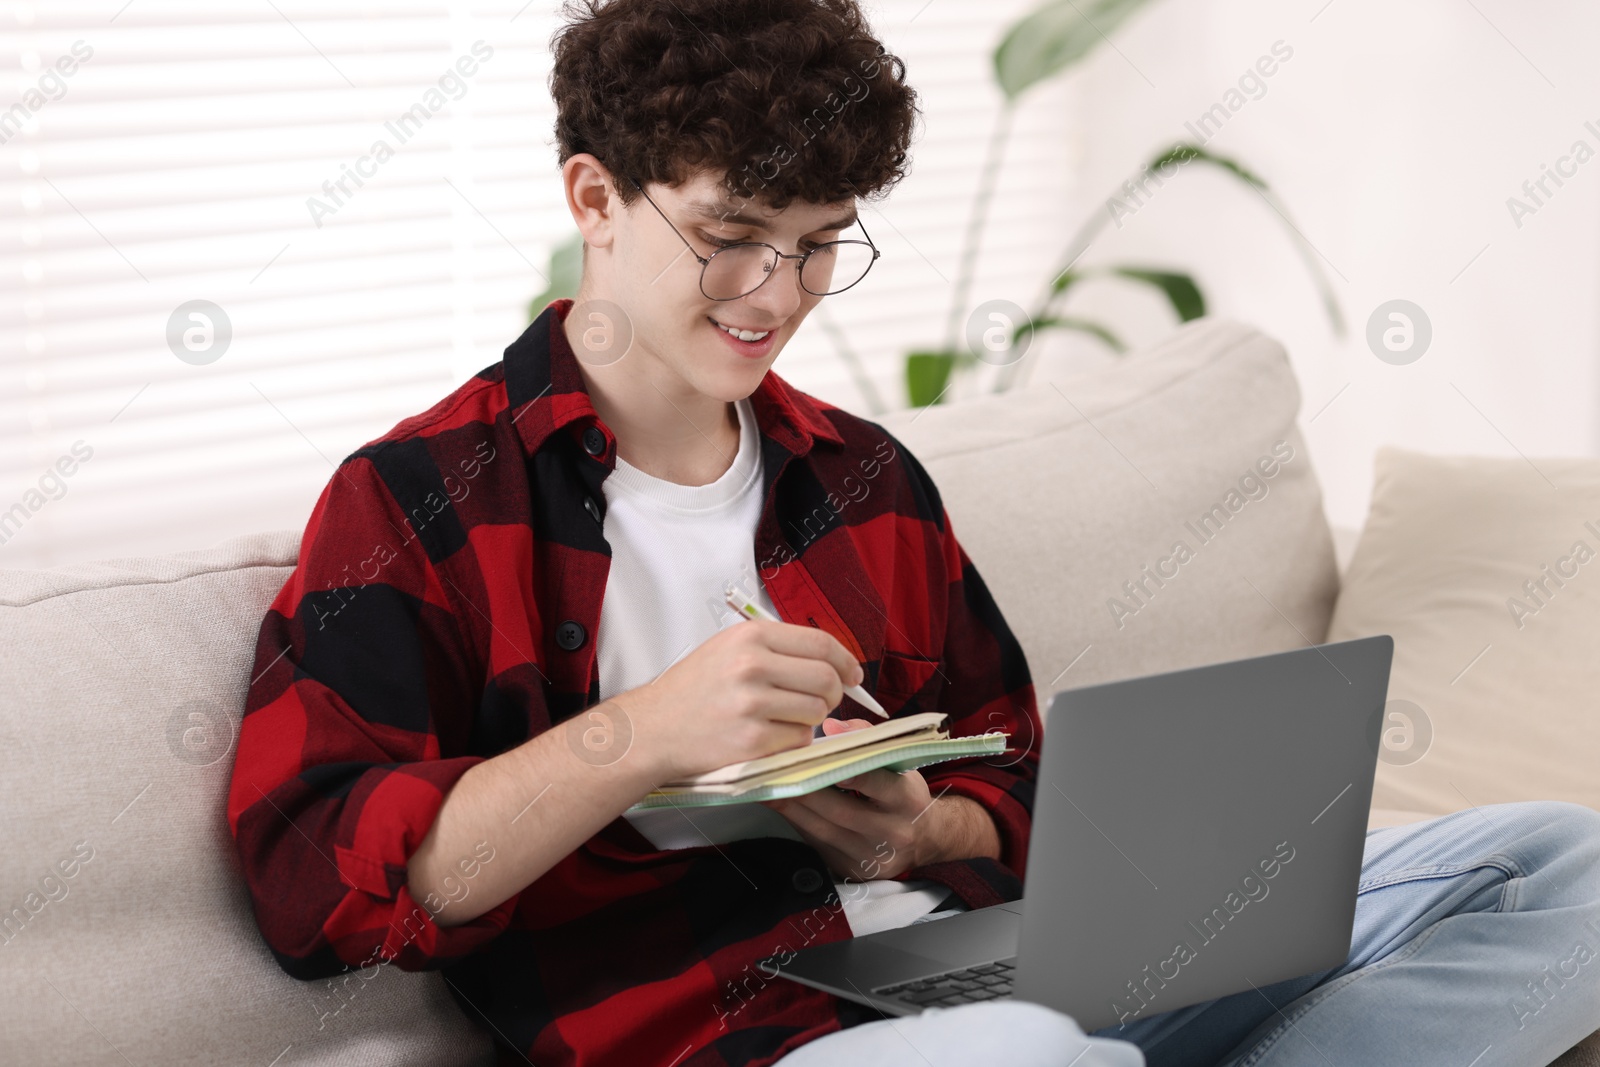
pixel 910 683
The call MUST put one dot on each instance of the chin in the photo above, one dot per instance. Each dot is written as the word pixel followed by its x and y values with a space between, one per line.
pixel 733 383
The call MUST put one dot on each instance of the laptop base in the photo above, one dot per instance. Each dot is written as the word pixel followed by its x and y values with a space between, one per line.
pixel 901 971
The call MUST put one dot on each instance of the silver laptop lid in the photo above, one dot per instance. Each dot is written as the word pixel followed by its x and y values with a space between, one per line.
pixel 1205 829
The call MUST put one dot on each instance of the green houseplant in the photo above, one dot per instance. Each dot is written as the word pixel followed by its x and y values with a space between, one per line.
pixel 1046 42
pixel 1040 46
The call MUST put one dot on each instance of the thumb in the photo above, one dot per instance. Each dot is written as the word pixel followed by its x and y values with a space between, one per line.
pixel 842 726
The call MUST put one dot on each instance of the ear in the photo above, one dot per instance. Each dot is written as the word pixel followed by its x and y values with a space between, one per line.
pixel 592 198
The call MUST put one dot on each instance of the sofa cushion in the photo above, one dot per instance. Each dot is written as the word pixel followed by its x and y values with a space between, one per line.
pixel 1487 573
pixel 1159 513
pixel 123 918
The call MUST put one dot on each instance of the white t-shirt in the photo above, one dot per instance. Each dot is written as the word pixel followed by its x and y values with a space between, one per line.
pixel 673 548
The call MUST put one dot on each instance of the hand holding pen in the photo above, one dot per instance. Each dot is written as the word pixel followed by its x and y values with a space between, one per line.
pixel 746 608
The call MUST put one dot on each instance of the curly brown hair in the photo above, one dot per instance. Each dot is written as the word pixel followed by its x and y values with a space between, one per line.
pixel 787 99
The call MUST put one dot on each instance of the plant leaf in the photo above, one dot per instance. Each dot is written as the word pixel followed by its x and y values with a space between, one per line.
pixel 927 375
pixel 565 272
pixel 1068 322
pixel 1064 281
pixel 1053 38
pixel 1180 289
pixel 1183 152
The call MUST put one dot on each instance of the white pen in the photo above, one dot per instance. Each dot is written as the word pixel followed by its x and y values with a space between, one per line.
pixel 746 608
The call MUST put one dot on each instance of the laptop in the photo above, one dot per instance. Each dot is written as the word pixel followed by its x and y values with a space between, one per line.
pixel 1195 833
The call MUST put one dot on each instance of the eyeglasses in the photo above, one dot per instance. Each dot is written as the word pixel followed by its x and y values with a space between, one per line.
pixel 739 269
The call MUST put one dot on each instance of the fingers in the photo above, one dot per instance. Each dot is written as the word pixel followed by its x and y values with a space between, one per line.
pixel 851 855
pixel 786 706
pixel 780 736
pixel 813 643
pixel 843 726
pixel 823 830
pixel 859 815
pixel 801 675
pixel 890 788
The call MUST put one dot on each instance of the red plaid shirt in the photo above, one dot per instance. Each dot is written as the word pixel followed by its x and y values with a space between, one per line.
pixel 444 610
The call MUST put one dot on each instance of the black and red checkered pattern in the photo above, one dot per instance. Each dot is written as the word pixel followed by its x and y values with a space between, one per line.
pixel 443 610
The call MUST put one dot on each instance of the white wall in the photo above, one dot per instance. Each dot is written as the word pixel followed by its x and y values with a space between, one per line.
pixel 178 164
pixel 1395 133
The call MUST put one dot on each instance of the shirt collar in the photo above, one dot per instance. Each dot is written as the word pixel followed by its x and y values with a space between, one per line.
pixel 545 392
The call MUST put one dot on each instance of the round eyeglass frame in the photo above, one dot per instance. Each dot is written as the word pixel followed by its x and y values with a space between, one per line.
pixel 705 261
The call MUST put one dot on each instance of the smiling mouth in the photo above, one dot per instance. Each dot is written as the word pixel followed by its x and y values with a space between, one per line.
pixel 748 336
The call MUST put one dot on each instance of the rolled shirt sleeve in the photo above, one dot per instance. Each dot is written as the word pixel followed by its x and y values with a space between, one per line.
pixel 360 669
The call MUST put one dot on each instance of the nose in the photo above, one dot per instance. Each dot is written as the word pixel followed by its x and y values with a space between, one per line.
pixel 778 296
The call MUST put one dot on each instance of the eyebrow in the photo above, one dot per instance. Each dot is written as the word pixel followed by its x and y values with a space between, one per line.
pixel 710 212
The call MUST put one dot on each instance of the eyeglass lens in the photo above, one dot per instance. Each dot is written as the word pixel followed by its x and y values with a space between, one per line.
pixel 734 271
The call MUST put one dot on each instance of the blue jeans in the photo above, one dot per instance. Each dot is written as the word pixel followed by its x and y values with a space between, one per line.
pixel 1476 944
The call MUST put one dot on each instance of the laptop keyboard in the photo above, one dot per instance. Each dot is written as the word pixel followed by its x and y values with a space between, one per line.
pixel 991 981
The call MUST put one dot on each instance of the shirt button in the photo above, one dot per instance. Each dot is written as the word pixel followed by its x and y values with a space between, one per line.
pixel 806 880
pixel 592 508
pixel 570 635
pixel 594 442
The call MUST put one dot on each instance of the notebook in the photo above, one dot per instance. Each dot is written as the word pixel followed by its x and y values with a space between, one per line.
pixel 897 744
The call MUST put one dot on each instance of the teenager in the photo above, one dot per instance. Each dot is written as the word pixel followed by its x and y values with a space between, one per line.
pixel 506 627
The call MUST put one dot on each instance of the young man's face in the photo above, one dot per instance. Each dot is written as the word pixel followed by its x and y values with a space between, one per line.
pixel 658 280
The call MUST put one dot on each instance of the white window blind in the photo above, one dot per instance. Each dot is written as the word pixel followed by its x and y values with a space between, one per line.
pixel 368 192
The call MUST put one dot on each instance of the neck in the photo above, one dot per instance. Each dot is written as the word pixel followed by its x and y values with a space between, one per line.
pixel 663 425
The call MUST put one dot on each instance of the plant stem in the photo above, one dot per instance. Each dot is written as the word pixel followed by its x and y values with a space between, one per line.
pixel 1309 256
pixel 987 180
pixel 1080 243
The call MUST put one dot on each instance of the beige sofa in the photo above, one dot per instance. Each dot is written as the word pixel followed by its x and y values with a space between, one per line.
pixel 126 934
